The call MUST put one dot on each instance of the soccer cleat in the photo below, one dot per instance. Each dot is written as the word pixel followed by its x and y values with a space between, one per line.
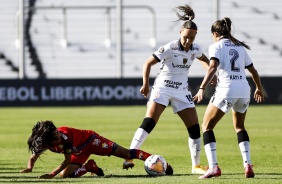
pixel 249 173
pixel 198 169
pixel 128 164
pixel 215 172
pixel 94 169
pixel 169 170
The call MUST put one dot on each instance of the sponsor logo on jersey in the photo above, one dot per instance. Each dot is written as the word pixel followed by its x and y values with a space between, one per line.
pixel 161 50
pixel 176 55
pixel 181 66
pixel 172 84
pixel 105 145
pixel 96 142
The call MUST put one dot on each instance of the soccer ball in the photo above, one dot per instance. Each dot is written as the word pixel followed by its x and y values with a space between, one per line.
pixel 155 165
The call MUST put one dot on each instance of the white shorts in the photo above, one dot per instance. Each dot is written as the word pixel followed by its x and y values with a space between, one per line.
pixel 179 100
pixel 237 104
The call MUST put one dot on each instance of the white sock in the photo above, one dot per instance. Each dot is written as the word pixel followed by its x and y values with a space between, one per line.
pixel 195 150
pixel 245 151
pixel 139 138
pixel 210 150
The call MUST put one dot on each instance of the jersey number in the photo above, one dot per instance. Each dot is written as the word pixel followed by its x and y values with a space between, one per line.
pixel 190 98
pixel 235 56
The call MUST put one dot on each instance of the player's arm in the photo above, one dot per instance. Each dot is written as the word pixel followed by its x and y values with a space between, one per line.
pixel 146 73
pixel 61 167
pixel 208 77
pixel 205 63
pixel 30 163
pixel 258 95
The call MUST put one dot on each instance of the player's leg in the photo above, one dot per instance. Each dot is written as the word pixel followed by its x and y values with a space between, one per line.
pixel 130 154
pixel 136 154
pixel 212 116
pixel 153 113
pixel 190 119
pixel 77 168
pixel 183 105
pixel 239 115
pixel 154 110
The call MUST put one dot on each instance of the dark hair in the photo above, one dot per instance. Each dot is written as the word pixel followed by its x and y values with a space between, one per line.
pixel 223 28
pixel 186 14
pixel 42 134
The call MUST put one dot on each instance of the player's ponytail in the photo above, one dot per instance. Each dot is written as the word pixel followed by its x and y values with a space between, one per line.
pixel 186 13
pixel 223 28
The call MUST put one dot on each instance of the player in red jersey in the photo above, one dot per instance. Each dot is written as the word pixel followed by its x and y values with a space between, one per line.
pixel 76 145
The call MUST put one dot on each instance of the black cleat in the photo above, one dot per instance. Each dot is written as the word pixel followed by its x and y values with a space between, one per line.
pixel 169 170
pixel 100 172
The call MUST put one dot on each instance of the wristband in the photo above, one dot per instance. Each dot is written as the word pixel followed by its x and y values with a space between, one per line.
pixel 202 88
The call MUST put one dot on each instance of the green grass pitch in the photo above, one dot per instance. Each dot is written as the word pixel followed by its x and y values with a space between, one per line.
pixel 169 139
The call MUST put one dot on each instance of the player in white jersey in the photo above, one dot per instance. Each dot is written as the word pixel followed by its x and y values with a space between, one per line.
pixel 171 85
pixel 229 58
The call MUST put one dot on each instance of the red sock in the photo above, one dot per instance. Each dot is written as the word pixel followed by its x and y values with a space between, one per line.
pixel 139 154
pixel 80 171
pixel 91 166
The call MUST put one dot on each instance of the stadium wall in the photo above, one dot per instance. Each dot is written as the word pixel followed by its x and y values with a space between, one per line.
pixel 99 92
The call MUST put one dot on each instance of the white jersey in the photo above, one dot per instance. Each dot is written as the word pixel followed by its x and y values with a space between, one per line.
pixel 233 60
pixel 175 65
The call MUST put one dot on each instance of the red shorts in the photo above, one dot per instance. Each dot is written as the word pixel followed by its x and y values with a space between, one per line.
pixel 98 145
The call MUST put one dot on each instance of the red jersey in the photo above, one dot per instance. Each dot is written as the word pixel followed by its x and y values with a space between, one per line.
pixel 72 140
pixel 81 144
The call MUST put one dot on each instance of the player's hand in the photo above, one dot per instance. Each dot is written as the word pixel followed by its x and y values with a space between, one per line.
pixel 258 96
pixel 46 176
pixel 144 90
pixel 27 170
pixel 199 96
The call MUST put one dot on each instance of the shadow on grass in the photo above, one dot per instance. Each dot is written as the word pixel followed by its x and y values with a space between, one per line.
pixel 16 171
pixel 136 176
pixel 30 179
pixel 258 176
pixel 35 179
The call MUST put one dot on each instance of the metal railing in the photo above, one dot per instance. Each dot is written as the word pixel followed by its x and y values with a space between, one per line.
pixel 64 41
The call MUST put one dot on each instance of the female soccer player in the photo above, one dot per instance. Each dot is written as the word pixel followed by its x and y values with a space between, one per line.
pixel 76 145
pixel 171 85
pixel 228 56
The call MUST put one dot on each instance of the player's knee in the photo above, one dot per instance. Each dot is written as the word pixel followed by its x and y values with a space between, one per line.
pixel 194 131
pixel 63 174
pixel 148 124
pixel 209 137
pixel 243 136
